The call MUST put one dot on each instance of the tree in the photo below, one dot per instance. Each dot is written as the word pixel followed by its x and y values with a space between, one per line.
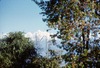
pixel 15 49
pixel 75 21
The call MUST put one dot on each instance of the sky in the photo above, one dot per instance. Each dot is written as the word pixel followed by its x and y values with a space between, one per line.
pixel 20 15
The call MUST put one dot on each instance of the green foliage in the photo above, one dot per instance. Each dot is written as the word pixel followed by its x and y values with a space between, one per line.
pixel 15 49
pixel 75 20
pixel 46 63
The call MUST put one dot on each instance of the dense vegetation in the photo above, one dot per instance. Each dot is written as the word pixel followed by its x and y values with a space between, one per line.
pixel 14 50
pixel 17 51
pixel 77 23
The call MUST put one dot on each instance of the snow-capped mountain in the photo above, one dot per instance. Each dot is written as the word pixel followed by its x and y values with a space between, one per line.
pixel 39 35
pixel 41 40
pixel 3 35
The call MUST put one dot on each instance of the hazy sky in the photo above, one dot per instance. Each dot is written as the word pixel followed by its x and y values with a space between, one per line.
pixel 20 15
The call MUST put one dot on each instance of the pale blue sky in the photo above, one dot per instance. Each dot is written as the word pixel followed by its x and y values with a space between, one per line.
pixel 20 15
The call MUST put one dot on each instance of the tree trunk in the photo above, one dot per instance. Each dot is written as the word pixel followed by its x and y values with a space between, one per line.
pixel 83 36
pixel 87 41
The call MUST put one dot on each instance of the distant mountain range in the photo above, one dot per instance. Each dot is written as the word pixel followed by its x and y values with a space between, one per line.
pixel 41 40
pixel 39 35
pixel 32 35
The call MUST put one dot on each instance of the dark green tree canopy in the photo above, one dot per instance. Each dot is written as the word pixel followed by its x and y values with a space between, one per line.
pixel 15 49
